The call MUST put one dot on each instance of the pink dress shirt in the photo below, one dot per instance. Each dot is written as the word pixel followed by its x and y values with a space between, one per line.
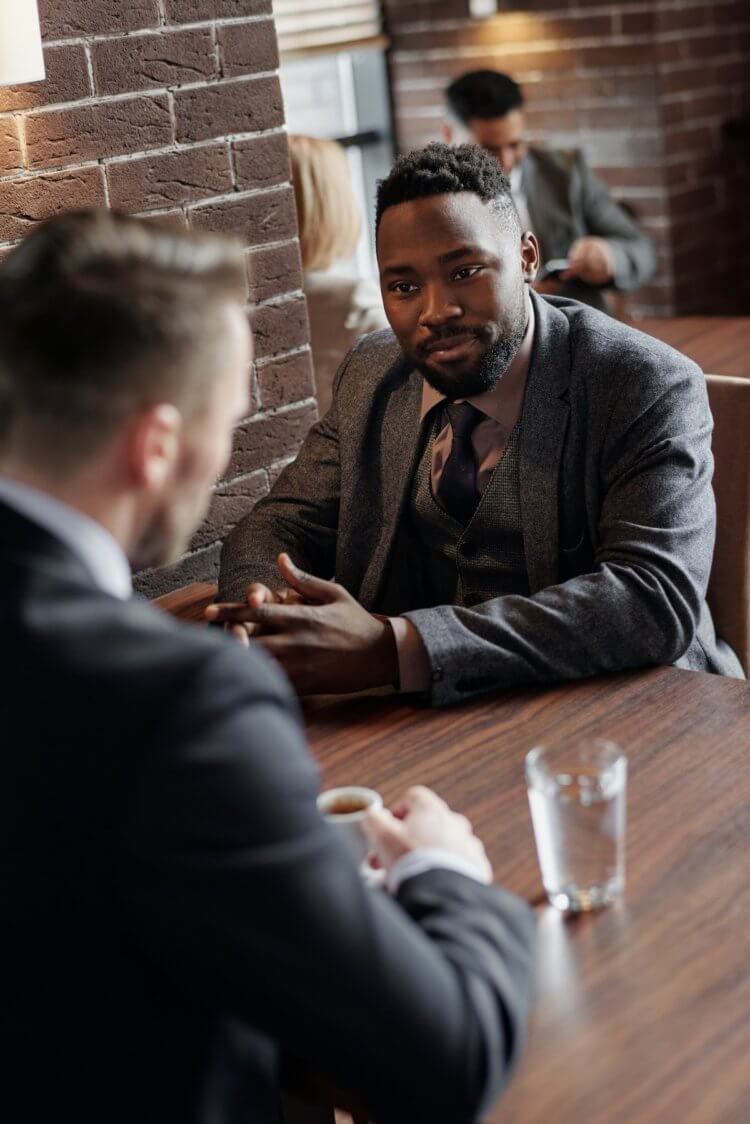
pixel 501 407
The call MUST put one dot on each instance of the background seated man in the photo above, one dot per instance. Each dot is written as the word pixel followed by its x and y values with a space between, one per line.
pixel 522 483
pixel 557 196
pixel 175 911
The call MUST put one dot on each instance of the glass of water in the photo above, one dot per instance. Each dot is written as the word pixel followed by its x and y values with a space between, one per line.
pixel 577 792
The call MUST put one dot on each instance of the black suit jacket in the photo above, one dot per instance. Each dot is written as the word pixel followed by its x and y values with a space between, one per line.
pixel 175 911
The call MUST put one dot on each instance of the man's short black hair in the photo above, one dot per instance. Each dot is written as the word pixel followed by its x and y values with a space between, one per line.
pixel 483 93
pixel 443 169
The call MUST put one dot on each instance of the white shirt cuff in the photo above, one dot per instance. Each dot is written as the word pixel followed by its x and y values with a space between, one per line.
pixel 429 858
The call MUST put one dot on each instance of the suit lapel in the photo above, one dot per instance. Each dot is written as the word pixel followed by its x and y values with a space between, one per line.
pixel 546 191
pixel 544 422
pixel 398 440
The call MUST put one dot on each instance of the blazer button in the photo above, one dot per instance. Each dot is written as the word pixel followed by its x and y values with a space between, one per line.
pixel 469 549
pixel 436 675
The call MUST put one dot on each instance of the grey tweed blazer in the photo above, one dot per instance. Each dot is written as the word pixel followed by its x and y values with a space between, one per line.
pixel 616 502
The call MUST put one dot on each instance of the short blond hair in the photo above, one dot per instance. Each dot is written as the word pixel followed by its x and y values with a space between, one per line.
pixel 327 212
pixel 102 315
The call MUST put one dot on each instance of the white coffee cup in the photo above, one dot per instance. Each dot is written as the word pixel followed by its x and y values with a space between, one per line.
pixel 349 823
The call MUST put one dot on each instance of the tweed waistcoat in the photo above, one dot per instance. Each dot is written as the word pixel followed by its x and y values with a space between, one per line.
pixel 465 565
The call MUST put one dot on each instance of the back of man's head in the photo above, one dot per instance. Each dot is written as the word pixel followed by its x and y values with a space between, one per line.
pixel 484 94
pixel 102 315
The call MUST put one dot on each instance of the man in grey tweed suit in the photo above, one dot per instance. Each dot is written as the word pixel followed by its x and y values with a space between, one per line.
pixel 507 488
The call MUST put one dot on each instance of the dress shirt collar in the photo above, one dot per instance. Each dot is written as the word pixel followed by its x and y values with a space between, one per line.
pixel 503 402
pixel 100 553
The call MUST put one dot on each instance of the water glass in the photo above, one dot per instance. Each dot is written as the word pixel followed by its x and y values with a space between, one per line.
pixel 577 791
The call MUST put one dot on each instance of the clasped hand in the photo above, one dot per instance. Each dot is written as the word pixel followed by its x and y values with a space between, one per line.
pixel 322 637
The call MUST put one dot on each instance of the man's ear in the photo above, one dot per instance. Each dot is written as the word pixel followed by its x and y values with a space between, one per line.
pixel 153 445
pixel 447 131
pixel 530 256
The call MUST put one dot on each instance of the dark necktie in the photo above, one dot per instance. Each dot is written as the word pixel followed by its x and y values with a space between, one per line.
pixel 457 487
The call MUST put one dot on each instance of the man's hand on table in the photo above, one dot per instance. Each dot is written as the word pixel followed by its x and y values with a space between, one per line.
pixel 325 641
pixel 422 824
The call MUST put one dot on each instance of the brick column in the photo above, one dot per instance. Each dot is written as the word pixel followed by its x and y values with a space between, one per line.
pixel 172 108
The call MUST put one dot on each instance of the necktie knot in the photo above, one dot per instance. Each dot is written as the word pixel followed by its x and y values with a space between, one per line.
pixel 463 418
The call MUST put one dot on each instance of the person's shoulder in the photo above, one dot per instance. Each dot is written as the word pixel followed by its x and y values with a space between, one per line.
pixel 600 344
pixel 557 160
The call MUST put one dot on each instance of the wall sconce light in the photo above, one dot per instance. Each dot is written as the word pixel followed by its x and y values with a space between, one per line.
pixel 482 9
pixel 21 57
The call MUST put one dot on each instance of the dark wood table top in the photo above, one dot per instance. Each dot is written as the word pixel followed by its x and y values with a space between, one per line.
pixel 643 1010
pixel 718 344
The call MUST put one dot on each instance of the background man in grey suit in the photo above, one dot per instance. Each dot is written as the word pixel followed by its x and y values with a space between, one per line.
pixel 176 914
pixel 521 484
pixel 557 196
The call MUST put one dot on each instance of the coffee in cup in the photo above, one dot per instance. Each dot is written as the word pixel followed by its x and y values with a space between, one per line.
pixel 345 808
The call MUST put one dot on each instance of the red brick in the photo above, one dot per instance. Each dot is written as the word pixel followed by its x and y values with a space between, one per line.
pixel 274 271
pixel 694 201
pixel 269 438
pixel 199 566
pixel 25 202
pixel 191 11
pixel 278 328
pixel 400 14
pixel 639 176
pixel 683 18
pixel 637 23
pixel 70 136
pixel 61 19
pixel 697 139
pixel 246 106
pixel 268 216
pixel 144 61
pixel 614 55
pixel 286 380
pixel 67 80
pixel 11 159
pixel 173 217
pixel 173 177
pixel 230 503
pixel 247 48
pixel 262 161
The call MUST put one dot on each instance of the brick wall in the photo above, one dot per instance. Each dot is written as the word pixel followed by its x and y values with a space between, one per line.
pixel 173 108
pixel 645 89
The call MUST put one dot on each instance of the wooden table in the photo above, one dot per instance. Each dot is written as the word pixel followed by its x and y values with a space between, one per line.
pixel 643 1010
pixel 720 345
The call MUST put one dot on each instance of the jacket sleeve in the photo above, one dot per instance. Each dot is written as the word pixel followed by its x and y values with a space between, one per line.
pixel 635 257
pixel 640 602
pixel 299 515
pixel 237 885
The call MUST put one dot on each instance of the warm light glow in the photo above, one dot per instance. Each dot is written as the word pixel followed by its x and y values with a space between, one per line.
pixel 21 58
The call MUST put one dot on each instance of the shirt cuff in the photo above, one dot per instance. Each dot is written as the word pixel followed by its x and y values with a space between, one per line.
pixel 429 858
pixel 413 661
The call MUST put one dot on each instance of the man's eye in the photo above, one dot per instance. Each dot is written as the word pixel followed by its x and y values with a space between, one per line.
pixel 466 271
pixel 404 287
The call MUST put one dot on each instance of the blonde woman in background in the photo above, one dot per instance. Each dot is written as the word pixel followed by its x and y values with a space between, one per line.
pixel 341 309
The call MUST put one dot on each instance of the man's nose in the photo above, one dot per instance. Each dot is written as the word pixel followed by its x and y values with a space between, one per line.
pixel 439 306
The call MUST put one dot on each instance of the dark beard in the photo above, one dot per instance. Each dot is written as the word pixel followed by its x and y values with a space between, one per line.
pixel 490 369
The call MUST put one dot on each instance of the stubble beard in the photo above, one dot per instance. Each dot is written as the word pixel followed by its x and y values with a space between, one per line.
pixel 490 369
